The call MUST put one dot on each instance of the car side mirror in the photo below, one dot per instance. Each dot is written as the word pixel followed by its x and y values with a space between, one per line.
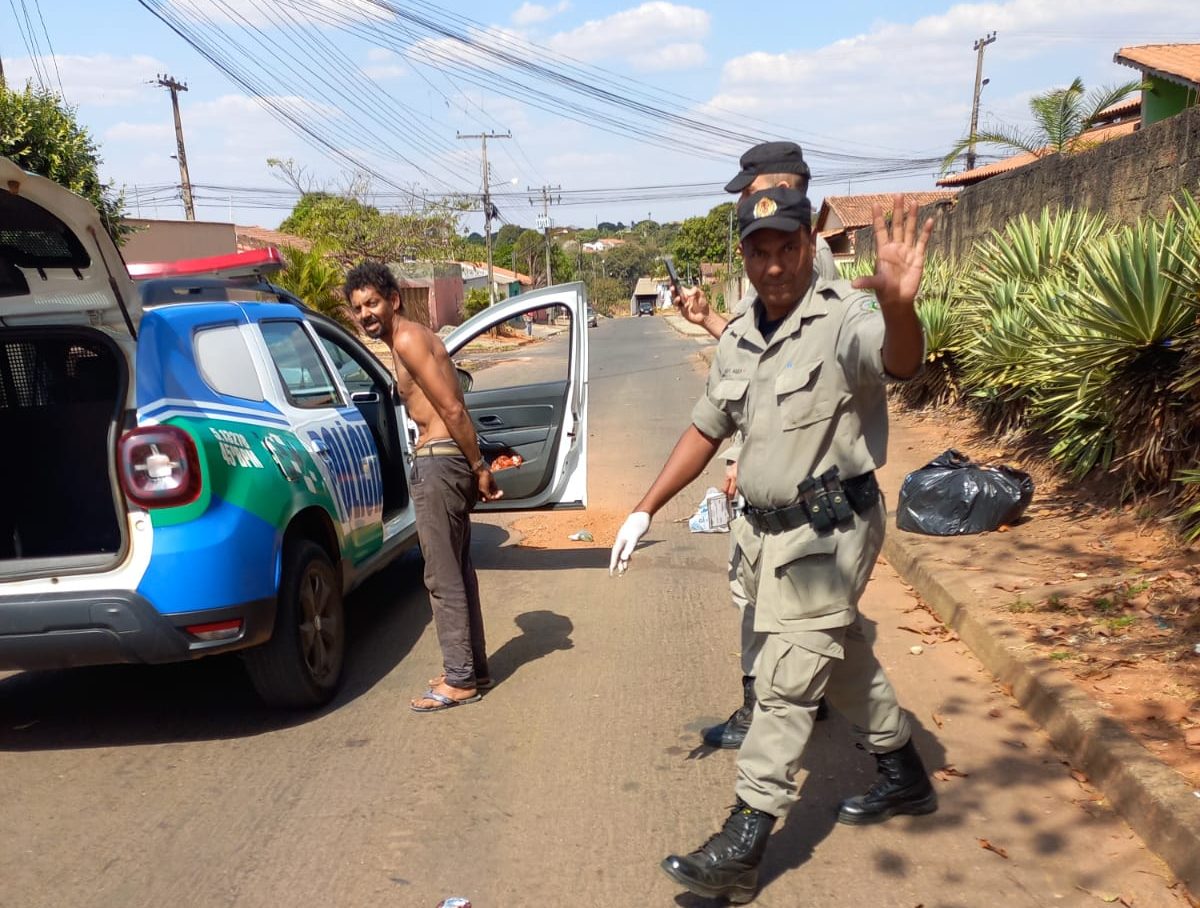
pixel 466 381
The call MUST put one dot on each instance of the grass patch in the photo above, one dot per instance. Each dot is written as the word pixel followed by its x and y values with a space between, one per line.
pixel 1120 623
pixel 1056 603
pixel 1020 606
pixel 1062 656
pixel 1104 605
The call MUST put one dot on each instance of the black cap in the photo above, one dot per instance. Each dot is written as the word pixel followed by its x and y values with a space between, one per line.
pixel 769 157
pixel 776 208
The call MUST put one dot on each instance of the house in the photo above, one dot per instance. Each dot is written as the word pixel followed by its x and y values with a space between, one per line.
pixel 1172 74
pixel 841 216
pixel 507 282
pixel 710 272
pixel 430 292
pixel 603 244
pixel 1114 122
pixel 649 288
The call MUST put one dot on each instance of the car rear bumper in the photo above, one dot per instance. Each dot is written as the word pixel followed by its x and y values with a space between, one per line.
pixel 64 630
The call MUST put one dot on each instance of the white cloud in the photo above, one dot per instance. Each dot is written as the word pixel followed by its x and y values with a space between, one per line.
pixel 140 132
pixel 384 64
pixel 451 53
pixel 632 33
pixel 98 79
pixel 908 85
pixel 671 57
pixel 532 13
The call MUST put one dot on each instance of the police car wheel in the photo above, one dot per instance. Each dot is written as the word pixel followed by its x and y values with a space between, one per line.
pixel 301 665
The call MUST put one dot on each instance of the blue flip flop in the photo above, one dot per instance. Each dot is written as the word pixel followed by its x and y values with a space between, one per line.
pixel 444 702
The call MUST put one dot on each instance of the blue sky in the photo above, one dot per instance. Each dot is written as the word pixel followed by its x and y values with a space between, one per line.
pixel 862 78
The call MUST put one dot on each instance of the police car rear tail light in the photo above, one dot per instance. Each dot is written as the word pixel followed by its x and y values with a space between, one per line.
pixel 159 467
pixel 216 630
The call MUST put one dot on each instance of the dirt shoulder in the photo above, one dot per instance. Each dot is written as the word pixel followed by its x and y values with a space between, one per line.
pixel 1111 600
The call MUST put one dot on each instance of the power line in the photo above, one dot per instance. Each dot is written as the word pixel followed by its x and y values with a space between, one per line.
pixel 53 57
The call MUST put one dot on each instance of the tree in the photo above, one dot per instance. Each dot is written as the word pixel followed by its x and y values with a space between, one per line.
pixel 349 228
pixel 1061 118
pixel 38 130
pixel 704 239
pixel 476 300
pixel 317 280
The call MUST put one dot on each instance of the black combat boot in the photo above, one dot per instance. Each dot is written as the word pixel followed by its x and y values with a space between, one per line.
pixel 902 787
pixel 727 864
pixel 732 732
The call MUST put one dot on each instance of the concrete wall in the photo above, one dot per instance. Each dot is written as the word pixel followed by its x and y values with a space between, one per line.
pixel 1125 178
pixel 169 241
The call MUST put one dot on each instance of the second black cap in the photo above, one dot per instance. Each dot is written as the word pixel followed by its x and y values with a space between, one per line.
pixel 769 157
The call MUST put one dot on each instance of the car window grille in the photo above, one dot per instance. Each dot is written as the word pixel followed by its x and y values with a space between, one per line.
pixel 43 372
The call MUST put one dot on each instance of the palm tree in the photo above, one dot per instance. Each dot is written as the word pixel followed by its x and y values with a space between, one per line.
pixel 317 280
pixel 1061 118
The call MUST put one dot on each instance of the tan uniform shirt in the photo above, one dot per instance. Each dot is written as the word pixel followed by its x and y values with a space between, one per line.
pixel 824 266
pixel 812 397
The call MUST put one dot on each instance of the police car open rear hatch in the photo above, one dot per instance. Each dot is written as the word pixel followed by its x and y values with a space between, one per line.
pixel 58 266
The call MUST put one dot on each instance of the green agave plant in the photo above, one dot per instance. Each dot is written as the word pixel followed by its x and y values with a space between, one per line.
pixel 1132 328
pixel 945 320
pixel 857 268
pixel 1028 250
pixel 997 358
pixel 1188 516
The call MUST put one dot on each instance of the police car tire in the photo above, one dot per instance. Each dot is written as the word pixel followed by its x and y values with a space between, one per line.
pixel 279 669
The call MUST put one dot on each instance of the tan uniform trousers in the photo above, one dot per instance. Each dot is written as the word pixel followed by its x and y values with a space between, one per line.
pixel 752 642
pixel 794 670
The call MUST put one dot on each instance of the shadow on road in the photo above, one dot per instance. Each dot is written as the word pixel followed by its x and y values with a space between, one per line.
pixel 542 632
pixel 209 699
pixel 492 552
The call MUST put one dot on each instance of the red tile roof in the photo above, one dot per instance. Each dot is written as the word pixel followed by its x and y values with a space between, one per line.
pixel 854 211
pixel 1121 110
pixel 1092 137
pixel 1174 62
pixel 262 237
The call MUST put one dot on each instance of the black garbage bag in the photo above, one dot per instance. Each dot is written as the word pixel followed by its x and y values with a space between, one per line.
pixel 951 496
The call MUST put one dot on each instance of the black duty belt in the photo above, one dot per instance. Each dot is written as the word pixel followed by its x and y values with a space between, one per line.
pixel 826 502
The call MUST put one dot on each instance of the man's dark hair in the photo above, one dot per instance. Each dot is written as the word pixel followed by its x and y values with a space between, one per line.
pixel 371 274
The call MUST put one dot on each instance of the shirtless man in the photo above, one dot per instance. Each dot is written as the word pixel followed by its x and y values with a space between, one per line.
pixel 449 474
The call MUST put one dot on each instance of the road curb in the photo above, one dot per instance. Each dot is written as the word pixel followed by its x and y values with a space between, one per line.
pixel 1154 800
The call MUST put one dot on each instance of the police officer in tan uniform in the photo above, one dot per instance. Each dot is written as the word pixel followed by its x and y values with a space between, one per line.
pixel 764 166
pixel 802 375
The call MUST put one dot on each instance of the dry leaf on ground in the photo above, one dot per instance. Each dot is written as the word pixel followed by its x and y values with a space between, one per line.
pixel 988 846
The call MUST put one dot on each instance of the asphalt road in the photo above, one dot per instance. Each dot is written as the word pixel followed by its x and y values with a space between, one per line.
pixel 571 779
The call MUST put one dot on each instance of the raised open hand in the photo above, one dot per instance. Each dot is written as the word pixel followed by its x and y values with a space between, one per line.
pixel 899 255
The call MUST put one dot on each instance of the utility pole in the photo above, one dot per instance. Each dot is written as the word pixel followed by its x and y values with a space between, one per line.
pixel 543 220
pixel 980 44
pixel 489 210
pixel 185 181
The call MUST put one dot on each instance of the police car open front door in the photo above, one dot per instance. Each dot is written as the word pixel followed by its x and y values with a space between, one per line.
pixel 523 364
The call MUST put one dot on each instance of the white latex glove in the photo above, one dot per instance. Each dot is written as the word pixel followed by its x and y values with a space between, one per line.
pixel 632 530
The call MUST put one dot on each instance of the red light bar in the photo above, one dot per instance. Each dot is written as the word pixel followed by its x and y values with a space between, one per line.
pixel 251 263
